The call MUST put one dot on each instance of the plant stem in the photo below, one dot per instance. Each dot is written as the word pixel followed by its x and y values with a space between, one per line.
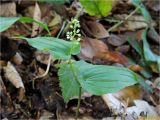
pixel 80 90
pixel 120 22
pixel 78 104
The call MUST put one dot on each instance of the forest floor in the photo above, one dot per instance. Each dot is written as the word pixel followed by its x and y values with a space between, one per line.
pixel 116 40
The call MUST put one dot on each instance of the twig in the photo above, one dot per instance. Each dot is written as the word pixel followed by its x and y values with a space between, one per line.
pixel 64 23
pixel 120 22
pixel 46 72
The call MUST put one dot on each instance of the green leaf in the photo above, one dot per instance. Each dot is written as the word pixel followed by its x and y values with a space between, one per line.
pixel 148 54
pixel 59 48
pixel 102 79
pixel 6 22
pixel 69 85
pixel 143 9
pixel 136 45
pixel 30 20
pixel 97 7
pixel 96 79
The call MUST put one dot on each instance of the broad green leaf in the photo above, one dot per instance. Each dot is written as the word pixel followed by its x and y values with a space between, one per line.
pixel 69 85
pixel 6 22
pixel 143 9
pixel 96 79
pixel 134 43
pixel 97 7
pixel 102 79
pixel 59 48
pixel 148 54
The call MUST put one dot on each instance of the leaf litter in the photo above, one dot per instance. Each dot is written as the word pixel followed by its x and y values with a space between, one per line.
pixel 22 63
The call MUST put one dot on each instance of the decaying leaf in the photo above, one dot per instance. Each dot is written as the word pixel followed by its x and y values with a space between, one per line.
pixel 129 94
pixel 56 20
pixel 13 76
pixel 95 29
pixel 17 59
pixel 116 40
pixel 135 22
pixel 8 9
pixel 142 107
pixel 37 17
pixel 93 49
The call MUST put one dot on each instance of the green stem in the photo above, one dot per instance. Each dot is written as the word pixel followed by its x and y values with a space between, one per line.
pixel 120 22
pixel 80 90
pixel 78 104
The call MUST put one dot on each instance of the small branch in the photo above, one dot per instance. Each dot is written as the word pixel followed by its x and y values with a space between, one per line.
pixel 120 22
pixel 64 23
pixel 46 72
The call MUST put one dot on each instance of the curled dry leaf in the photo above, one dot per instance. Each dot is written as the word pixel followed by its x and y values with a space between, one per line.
pixel 13 76
pixel 94 29
pixel 37 17
pixel 8 9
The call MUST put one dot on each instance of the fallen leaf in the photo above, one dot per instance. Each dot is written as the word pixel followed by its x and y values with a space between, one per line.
pixel 56 20
pixel 116 40
pixel 93 49
pixel 135 68
pixel 123 48
pixel 134 22
pixel 94 29
pixel 129 94
pixel 17 59
pixel 142 107
pixel 37 17
pixel 13 76
pixel 8 9
pixel 112 56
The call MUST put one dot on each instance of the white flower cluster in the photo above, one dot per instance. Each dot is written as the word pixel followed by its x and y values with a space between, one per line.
pixel 74 35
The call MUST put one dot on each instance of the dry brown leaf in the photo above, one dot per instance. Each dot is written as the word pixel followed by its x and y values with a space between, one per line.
pixel 135 68
pixel 135 22
pixel 56 20
pixel 129 94
pixel 116 40
pixel 8 9
pixel 37 17
pixel 91 47
pixel 17 59
pixel 94 29
pixel 112 56
pixel 13 76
